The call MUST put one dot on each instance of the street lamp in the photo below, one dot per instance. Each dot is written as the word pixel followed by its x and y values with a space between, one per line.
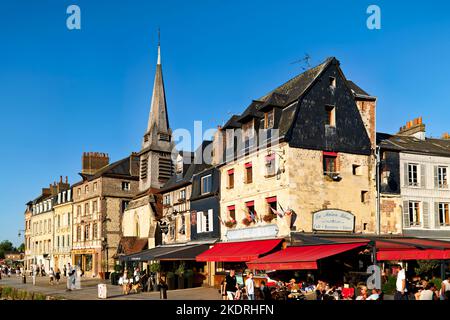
pixel 377 176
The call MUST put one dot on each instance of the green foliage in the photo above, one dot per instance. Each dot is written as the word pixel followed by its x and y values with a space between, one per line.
pixel 21 248
pixel 170 274
pixel 118 268
pixel 155 267
pixel 437 282
pixel 389 286
pixel 5 246
pixel 426 267
pixel 39 296
pixel 180 270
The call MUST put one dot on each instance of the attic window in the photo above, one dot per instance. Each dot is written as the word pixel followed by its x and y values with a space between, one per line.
pixel 332 82
pixel 330 116
pixel 269 119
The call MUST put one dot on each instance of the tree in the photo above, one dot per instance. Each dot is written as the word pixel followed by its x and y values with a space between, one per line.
pixel 21 248
pixel 5 246
pixel 426 267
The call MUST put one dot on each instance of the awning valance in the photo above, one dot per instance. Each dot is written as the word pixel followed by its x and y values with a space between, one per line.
pixel 301 257
pixel 239 251
pixel 174 252
pixel 412 249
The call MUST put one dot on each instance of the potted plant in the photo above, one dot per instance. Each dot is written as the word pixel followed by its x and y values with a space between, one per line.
pixel 189 275
pixel 170 280
pixel 269 217
pixel 180 273
pixel 230 223
pixel 247 221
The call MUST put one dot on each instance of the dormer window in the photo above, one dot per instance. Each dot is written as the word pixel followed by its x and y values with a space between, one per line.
pixel 248 130
pixel 332 82
pixel 269 119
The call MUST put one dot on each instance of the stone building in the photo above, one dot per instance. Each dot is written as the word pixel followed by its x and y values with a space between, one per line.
pixel 28 260
pixel 99 201
pixel 305 150
pixel 156 167
pixel 414 184
pixel 62 236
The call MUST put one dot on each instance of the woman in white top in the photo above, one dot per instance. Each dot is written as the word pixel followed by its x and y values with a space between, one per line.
pixel 51 274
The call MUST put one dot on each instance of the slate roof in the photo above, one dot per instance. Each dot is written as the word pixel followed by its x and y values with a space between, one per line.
pixel 357 91
pixel 409 144
pixel 232 122
pixel 130 245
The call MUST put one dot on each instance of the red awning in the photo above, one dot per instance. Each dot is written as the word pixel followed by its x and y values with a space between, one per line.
pixel 238 251
pixel 302 257
pixel 330 154
pixel 250 204
pixel 412 249
pixel 231 171
pixel 248 165
pixel 271 199
pixel 231 207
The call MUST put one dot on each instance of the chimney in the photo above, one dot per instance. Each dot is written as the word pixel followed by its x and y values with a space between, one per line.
pixel 414 128
pixel 446 136
pixel 93 161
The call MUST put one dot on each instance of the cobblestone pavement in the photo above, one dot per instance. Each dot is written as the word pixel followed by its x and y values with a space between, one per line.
pixel 89 291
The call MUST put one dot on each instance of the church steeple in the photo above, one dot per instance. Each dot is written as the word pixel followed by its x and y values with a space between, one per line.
pixel 158 120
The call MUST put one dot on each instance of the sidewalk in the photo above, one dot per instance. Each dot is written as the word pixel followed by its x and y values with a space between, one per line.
pixel 89 291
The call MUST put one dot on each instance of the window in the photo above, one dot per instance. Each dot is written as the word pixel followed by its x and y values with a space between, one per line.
pixel 78 233
pixel 206 184
pixel 269 119
pixel 94 207
pixel 183 194
pixel 137 229
pixel 205 221
pixel 442 177
pixel 125 186
pixel 166 199
pixel 68 241
pixel 86 189
pixel 229 138
pixel 78 211
pixel 364 196
pixel 86 208
pixel 144 165
pixel 330 116
pixel 444 214
pixel 248 172
pixel 79 192
pixel 68 218
pixel 251 212
pixel 230 174
pixel 95 186
pixel 271 205
pixel 125 205
pixel 356 170
pixel 62 241
pixel 270 165
pixel 330 163
pixel 58 223
pixel 164 137
pixel 332 82
pixel 247 130
pixel 231 212
pixel 414 213
pixel 95 231
pixel 57 241
pixel 412 174
pixel 87 229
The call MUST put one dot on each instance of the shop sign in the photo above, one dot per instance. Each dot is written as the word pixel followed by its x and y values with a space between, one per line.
pixel 333 220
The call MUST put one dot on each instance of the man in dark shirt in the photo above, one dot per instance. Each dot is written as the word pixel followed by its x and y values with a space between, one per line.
pixel 231 285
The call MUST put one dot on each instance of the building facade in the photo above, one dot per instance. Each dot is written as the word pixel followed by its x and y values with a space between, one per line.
pixel 414 179
pixel 99 201
pixel 62 239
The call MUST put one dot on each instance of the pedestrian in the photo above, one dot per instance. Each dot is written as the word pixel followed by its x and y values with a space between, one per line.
pixel 429 293
pixel 363 293
pixel 265 291
pixel 65 271
pixel 57 275
pixel 231 285
pixel 250 286
pixel 70 278
pixel 51 275
pixel 401 290
pixel 33 274
pixel 445 287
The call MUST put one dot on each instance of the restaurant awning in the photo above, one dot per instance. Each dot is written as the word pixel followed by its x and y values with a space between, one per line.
pixel 301 257
pixel 173 252
pixel 412 249
pixel 239 251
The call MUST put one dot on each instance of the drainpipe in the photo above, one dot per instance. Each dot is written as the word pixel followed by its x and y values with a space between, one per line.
pixel 377 176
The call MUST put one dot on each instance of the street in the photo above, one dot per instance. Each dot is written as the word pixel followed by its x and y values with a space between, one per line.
pixel 88 290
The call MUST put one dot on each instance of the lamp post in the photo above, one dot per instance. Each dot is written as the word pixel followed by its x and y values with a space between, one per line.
pixel 377 177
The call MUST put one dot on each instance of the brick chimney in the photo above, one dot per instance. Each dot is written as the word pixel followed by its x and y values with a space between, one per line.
pixel 93 161
pixel 414 128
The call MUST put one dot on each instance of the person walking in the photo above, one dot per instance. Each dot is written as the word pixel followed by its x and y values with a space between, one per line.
pixel 33 274
pixel 250 286
pixel 401 290
pixel 65 271
pixel 51 275
pixel 445 287
pixel 231 285
pixel 57 275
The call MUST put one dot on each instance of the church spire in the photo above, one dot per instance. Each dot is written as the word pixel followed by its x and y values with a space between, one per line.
pixel 158 121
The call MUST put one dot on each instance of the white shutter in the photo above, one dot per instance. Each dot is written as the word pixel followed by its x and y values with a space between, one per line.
pixel 436 215
pixel 204 221
pixel 405 175
pixel 436 178
pixel 426 215
pixel 199 221
pixel 406 221
pixel 210 220
pixel 423 183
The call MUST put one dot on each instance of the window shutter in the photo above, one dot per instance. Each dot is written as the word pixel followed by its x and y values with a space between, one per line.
pixel 422 176
pixel 405 175
pixel 436 215
pixel 436 178
pixel 210 219
pixel 406 221
pixel 199 222
pixel 426 215
pixel 204 217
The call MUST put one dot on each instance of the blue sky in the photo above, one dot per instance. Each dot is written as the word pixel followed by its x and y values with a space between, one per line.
pixel 63 92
